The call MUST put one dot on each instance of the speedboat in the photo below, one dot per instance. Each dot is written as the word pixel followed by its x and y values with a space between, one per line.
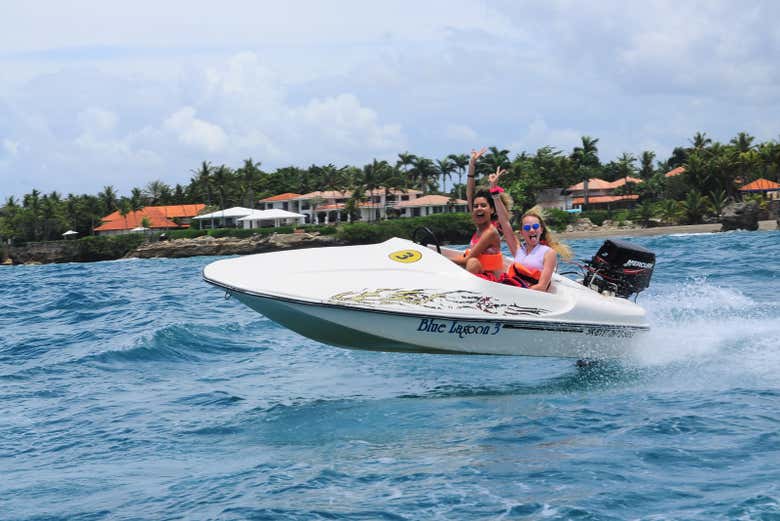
pixel 399 295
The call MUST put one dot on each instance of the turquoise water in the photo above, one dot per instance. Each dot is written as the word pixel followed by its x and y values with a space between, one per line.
pixel 133 390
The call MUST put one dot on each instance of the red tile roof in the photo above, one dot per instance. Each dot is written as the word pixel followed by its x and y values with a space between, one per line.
pixel 428 200
pixel 676 171
pixel 593 184
pixel 624 180
pixel 280 197
pixel 158 216
pixel 760 185
pixel 603 199
pixel 328 194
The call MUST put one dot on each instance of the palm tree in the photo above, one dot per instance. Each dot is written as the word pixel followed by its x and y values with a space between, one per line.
pixel 743 141
pixel 73 211
pixel 445 167
pixel 424 173
pixel 461 162
pixel 202 180
pixel 155 191
pixel 48 214
pixel 646 170
pixel 700 141
pixel 92 206
pixel 645 211
pixel 124 210
pixel 109 198
pixel 221 178
pixel 625 166
pixel 331 178
pixel 136 199
pixel 718 202
pixel 249 173
pixel 695 207
pixel 372 176
pixel 493 159
pixel 586 160
pixel 668 210
pixel 405 161
pixel 32 203
pixel 390 178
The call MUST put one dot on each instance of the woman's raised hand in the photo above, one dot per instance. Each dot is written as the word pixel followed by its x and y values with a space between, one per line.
pixel 493 178
pixel 476 154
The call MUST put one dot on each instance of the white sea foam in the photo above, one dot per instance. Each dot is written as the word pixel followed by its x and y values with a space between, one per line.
pixel 716 336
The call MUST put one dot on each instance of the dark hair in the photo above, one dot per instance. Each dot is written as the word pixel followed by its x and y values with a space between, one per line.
pixel 486 195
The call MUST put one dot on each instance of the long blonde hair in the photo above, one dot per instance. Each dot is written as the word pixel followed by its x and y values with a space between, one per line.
pixel 548 236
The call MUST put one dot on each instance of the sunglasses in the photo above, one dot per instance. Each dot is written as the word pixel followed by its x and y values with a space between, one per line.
pixel 529 227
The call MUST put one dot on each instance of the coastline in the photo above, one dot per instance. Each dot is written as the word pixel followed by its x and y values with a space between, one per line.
pixel 66 251
pixel 595 233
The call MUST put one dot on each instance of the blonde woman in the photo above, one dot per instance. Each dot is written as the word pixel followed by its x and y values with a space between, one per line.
pixel 536 258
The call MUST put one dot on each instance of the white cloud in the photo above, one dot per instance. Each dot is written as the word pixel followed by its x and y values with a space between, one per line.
pixel 10 148
pixel 196 132
pixel 96 120
pixel 344 122
pixel 539 134
pixel 462 133
pixel 114 97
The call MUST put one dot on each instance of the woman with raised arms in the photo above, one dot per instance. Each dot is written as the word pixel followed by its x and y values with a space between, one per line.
pixel 483 257
pixel 535 259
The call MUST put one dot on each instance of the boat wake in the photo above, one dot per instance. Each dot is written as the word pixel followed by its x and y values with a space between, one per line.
pixel 722 333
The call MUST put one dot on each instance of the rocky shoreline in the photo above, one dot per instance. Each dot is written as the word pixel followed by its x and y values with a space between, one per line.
pixel 67 251
pixel 207 245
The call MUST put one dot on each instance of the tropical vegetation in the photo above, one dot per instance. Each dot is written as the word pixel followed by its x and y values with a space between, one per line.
pixel 713 171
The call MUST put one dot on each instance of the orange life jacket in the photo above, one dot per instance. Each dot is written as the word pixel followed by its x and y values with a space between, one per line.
pixel 521 272
pixel 489 261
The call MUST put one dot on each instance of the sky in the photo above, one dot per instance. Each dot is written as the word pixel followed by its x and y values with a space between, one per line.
pixel 96 93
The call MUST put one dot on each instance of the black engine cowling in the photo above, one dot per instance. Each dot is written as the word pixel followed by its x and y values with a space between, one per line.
pixel 620 268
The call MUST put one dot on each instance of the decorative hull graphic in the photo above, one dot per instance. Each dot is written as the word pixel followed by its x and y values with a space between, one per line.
pixel 458 300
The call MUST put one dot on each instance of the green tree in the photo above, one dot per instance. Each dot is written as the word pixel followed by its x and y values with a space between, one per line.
pixel 493 159
pixel 109 199
pixel 424 173
pixel 156 192
pixel 695 207
pixel 625 166
pixel 445 167
pixel 461 162
pixel 202 181
pixel 700 141
pixel 222 178
pixel 645 211
pixel 718 201
pixel 586 163
pixel 137 199
pixel 249 173
pixel 124 210
pixel 668 210
pixel 646 169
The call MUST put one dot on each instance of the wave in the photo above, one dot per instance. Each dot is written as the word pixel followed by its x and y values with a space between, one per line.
pixel 189 343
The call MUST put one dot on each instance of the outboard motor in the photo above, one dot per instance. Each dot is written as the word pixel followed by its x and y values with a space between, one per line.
pixel 619 268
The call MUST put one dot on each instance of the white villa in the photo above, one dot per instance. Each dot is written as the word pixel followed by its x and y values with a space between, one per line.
pixel 331 205
pixel 240 217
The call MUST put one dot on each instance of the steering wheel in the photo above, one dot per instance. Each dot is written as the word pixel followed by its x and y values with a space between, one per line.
pixel 426 234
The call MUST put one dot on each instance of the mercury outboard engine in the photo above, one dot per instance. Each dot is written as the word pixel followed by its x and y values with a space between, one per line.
pixel 619 268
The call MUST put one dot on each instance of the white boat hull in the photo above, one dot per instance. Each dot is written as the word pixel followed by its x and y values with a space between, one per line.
pixel 363 298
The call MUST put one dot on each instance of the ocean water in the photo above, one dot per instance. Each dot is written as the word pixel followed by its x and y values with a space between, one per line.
pixel 133 390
